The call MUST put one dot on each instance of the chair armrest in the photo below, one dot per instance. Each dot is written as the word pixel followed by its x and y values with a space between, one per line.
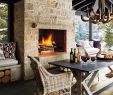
pixel 59 81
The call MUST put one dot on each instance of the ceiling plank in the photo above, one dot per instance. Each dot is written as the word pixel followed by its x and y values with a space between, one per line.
pixel 84 6
pixel 78 3
pixel 111 1
pixel 9 1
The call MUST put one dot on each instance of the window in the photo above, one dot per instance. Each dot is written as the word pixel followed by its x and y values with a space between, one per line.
pixel 103 33
pixel 81 29
pixel 3 22
pixel 98 32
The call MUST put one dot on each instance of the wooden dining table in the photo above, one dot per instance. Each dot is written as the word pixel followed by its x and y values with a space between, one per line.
pixel 85 72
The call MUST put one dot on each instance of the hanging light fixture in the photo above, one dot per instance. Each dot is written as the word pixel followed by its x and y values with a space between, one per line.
pixel 98 13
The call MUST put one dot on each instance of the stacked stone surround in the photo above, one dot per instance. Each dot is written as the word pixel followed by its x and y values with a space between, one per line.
pixel 46 14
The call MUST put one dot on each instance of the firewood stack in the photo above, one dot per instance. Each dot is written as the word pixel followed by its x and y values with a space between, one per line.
pixel 5 76
pixel 43 47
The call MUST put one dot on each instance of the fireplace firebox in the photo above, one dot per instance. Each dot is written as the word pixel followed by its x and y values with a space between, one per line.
pixel 52 40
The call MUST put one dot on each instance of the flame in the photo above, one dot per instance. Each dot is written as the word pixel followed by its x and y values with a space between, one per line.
pixel 47 41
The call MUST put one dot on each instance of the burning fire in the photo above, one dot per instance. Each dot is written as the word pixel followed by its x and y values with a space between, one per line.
pixel 47 41
pixel 47 45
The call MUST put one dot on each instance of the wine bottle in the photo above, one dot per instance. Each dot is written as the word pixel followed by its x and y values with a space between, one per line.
pixel 75 56
pixel 78 56
pixel 71 55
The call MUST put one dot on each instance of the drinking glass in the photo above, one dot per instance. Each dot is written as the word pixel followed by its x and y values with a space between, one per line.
pixel 88 58
pixel 84 58
pixel 93 59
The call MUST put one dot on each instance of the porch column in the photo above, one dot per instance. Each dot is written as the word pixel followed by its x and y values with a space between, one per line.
pixel 90 31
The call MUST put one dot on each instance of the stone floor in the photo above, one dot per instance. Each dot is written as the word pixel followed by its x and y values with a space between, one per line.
pixel 18 88
pixel 102 81
pixel 27 87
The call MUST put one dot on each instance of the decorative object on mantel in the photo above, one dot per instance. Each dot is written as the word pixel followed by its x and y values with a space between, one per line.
pixel 99 13
pixel 33 25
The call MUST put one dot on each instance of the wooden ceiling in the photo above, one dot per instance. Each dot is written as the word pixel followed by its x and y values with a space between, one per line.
pixel 9 1
pixel 84 5
pixel 80 5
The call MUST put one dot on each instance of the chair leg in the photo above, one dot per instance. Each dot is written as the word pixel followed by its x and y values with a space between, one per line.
pixel 98 77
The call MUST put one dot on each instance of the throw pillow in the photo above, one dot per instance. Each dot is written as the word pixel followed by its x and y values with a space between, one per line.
pixel 1 52
pixel 96 44
pixel 91 43
pixel 9 50
pixel 86 43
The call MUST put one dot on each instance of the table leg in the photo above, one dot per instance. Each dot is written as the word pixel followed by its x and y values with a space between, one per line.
pixel 110 68
pixel 90 77
pixel 78 76
pixel 81 85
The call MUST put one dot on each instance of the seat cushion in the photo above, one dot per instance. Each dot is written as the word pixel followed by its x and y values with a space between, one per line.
pixel 8 62
pixel 92 50
pixel 84 43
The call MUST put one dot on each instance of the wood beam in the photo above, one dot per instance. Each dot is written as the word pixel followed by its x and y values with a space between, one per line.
pixel 78 3
pixel 111 1
pixel 84 6
pixel 87 9
pixel 8 1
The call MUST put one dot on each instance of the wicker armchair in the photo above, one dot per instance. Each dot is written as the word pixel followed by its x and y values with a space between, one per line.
pixel 48 83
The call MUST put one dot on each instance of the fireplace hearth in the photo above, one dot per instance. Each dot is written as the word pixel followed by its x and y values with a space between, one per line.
pixel 52 40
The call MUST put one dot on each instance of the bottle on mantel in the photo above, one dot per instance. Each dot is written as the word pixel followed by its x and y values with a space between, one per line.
pixel 71 55
pixel 78 56
pixel 75 56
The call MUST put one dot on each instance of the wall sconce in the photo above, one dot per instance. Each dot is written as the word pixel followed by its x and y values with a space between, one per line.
pixel 33 25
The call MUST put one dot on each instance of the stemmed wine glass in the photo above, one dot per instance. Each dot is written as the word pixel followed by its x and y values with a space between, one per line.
pixel 88 58
pixel 84 58
pixel 93 59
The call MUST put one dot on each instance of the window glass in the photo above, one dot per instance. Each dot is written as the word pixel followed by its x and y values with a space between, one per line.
pixel 81 29
pixel 3 22
pixel 97 32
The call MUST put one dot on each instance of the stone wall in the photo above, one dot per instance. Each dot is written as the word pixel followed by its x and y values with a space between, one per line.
pixel 19 36
pixel 46 14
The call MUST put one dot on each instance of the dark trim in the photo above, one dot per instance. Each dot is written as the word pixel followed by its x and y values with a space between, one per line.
pixel 10 22
pixel 90 31
pixel 8 1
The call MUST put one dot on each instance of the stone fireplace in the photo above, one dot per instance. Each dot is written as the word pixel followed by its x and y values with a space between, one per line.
pixel 36 18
